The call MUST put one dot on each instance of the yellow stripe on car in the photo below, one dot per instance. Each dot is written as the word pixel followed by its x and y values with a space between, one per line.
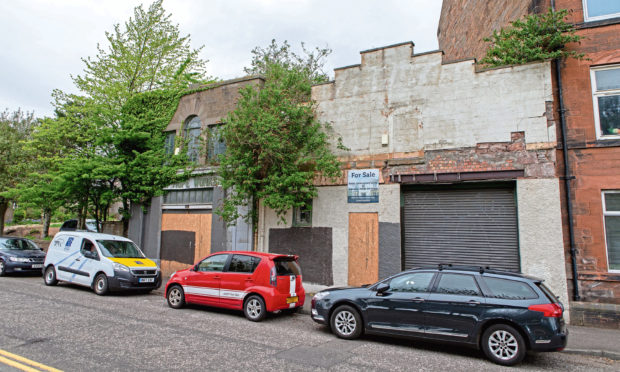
pixel 134 262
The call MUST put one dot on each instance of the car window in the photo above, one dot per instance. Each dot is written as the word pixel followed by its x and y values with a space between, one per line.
pixel 17 244
pixel 287 266
pixel 71 224
pixel 89 247
pixel 458 284
pixel 243 264
pixel 509 289
pixel 213 263
pixel 418 282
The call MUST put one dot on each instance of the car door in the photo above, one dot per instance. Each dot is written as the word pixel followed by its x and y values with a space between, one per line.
pixel 86 263
pixel 454 307
pixel 202 284
pixel 236 279
pixel 400 308
pixel 68 251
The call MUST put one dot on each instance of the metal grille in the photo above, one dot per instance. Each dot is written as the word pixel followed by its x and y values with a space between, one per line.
pixel 143 272
pixel 475 227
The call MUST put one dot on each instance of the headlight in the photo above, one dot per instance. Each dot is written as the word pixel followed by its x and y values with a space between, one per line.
pixel 321 295
pixel 18 259
pixel 119 267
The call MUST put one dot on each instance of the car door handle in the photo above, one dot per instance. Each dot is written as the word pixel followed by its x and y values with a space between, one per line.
pixel 216 277
pixel 473 302
pixel 249 280
pixel 418 299
pixel 78 259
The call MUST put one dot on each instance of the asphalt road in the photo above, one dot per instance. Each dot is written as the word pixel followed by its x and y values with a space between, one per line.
pixel 72 329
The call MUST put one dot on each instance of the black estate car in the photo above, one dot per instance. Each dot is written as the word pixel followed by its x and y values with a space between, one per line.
pixel 20 254
pixel 505 314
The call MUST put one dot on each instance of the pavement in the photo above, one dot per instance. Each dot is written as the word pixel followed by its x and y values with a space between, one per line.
pixel 598 342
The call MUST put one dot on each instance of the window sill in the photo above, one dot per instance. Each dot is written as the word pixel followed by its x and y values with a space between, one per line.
pixel 598 23
pixel 187 206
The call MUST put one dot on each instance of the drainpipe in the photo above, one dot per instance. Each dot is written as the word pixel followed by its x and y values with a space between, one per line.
pixel 567 178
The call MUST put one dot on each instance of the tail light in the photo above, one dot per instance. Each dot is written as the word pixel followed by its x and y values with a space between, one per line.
pixel 273 279
pixel 548 310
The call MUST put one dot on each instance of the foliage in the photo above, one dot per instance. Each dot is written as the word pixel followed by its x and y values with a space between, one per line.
pixel 536 38
pixel 15 128
pixel 147 53
pixel 274 146
pixel 309 64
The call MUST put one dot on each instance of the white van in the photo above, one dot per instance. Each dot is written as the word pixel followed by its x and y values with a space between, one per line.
pixel 100 261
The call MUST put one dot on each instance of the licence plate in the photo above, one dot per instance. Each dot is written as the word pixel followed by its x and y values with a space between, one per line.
pixel 37 266
pixel 291 300
pixel 146 280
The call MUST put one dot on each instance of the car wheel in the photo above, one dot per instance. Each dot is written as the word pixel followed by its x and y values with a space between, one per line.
pixel 2 268
pixel 254 308
pixel 346 322
pixel 175 297
pixel 503 344
pixel 101 284
pixel 50 276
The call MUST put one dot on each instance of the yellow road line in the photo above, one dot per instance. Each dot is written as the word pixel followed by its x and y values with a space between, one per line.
pixel 24 360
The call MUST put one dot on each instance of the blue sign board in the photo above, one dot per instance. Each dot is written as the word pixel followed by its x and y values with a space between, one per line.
pixel 363 186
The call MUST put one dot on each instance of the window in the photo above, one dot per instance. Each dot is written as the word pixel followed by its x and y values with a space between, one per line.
pixel 606 96
pixel 417 282
pixel 287 267
pixel 189 196
pixel 611 212
pixel 458 284
pixel 510 289
pixel 243 264
pixel 192 135
pixel 302 216
pixel 169 145
pixel 213 263
pixel 594 10
pixel 216 144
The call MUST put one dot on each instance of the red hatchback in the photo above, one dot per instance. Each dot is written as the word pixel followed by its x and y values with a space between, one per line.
pixel 255 282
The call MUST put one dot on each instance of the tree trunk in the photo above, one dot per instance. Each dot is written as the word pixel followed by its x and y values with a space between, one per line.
pixel 126 215
pixel 4 205
pixel 46 216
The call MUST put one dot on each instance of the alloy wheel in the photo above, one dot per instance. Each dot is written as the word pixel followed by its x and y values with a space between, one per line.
pixel 254 308
pixel 503 345
pixel 174 296
pixel 345 322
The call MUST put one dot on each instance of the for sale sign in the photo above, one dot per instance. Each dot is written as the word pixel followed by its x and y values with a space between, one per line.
pixel 363 186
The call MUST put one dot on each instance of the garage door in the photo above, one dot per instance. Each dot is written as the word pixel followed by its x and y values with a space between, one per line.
pixel 475 227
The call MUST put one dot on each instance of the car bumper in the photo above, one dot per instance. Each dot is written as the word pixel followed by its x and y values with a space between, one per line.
pixel 128 281
pixel 556 343
pixel 18 267
pixel 280 301
pixel 319 313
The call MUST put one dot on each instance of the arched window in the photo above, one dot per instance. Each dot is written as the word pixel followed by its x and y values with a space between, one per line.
pixel 192 130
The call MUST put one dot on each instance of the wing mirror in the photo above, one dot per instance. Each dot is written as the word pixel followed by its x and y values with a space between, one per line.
pixel 382 288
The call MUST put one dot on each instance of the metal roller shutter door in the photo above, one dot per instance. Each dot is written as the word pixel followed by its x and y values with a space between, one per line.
pixel 467 227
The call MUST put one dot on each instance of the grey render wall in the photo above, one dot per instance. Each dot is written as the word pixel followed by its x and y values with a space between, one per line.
pixel 145 228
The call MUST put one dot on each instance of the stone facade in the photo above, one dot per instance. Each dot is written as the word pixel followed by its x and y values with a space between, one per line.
pixel 593 161
pixel 420 120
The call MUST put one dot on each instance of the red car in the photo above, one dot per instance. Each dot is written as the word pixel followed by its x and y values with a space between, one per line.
pixel 255 282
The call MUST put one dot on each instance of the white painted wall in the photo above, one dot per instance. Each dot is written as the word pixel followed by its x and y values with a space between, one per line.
pixel 421 104
pixel 541 242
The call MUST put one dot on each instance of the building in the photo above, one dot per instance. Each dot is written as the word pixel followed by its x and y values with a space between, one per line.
pixel 445 164
pixel 180 227
pixel 587 92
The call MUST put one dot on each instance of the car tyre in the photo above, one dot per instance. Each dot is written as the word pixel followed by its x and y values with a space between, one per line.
pixel 503 344
pixel 254 308
pixel 2 268
pixel 346 322
pixel 50 276
pixel 100 285
pixel 175 297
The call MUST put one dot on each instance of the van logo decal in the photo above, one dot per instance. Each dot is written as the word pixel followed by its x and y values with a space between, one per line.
pixel 139 262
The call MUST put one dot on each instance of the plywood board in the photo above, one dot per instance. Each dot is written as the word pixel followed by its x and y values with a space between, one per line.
pixel 199 223
pixel 363 248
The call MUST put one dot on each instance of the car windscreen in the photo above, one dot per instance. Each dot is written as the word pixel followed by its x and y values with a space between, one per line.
pixel 119 249
pixel 91 225
pixel 17 245
pixel 287 266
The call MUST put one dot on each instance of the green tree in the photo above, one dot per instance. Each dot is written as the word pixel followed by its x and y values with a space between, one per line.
pixel 145 54
pixel 15 128
pixel 309 64
pixel 275 147
pixel 538 37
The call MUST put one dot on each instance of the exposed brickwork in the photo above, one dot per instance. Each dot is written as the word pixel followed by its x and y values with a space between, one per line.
pixel 601 315
pixel 594 163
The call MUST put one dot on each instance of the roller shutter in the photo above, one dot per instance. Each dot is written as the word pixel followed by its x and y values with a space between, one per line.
pixel 464 226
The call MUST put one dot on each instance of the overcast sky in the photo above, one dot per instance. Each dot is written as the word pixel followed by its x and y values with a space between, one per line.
pixel 43 40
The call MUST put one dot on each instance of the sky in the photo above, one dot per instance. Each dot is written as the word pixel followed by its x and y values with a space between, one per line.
pixel 43 41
